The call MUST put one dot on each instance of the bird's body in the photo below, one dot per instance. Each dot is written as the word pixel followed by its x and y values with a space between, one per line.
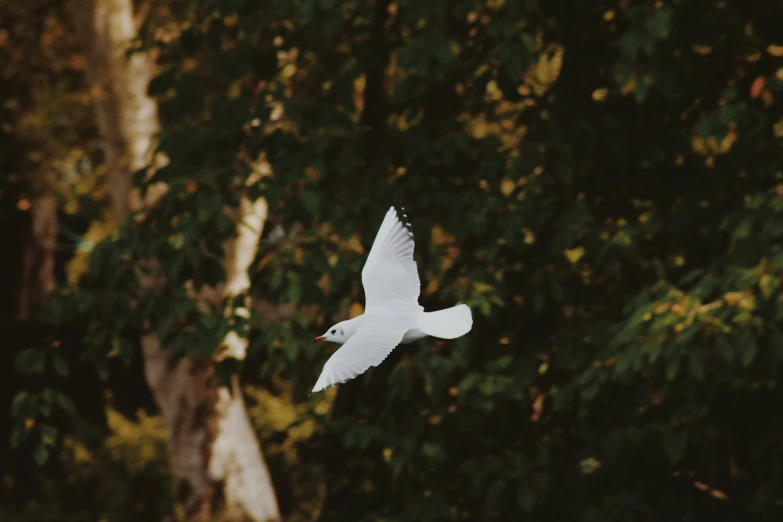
pixel 411 334
pixel 392 313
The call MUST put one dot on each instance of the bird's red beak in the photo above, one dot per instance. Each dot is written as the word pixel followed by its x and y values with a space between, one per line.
pixel 319 339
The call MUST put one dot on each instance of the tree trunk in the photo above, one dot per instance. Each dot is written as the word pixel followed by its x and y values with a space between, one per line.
pixel 216 462
pixel 38 278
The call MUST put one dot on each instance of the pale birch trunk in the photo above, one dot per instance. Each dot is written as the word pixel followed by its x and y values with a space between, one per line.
pixel 216 462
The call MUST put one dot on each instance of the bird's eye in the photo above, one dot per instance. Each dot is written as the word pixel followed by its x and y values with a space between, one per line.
pixel 334 331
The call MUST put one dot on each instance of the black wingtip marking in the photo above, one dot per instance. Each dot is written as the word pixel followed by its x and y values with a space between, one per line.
pixel 402 216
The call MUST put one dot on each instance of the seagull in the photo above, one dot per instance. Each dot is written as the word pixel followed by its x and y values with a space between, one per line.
pixel 392 314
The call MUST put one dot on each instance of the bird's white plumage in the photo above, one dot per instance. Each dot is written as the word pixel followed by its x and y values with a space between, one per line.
pixel 392 312
pixel 390 277
pixel 369 346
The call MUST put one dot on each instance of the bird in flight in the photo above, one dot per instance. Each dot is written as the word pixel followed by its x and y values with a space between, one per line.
pixel 392 313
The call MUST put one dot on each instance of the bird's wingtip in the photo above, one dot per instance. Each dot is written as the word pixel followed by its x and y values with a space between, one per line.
pixel 402 216
pixel 321 384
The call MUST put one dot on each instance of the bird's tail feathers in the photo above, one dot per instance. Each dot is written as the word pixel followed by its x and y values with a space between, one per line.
pixel 447 324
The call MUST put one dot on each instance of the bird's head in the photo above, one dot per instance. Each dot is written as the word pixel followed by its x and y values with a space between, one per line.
pixel 338 333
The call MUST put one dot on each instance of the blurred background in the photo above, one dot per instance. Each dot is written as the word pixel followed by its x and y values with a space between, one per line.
pixel 188 191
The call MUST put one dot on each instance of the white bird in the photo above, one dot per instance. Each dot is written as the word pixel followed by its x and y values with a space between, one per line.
pixel 392 312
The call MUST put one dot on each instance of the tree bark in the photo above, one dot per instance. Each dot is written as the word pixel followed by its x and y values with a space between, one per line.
pixel 216 461
pixel 38 278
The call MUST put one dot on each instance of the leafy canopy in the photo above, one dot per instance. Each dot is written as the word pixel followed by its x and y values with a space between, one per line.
pixel 600 181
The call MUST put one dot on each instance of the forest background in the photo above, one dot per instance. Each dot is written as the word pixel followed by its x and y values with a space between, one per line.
pixel 188 191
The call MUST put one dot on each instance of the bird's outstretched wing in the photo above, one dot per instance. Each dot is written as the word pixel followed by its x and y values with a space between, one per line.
pixel 369 346
pixel 390 277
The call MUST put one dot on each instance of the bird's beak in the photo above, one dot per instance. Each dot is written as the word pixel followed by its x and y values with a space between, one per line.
pixel 319 339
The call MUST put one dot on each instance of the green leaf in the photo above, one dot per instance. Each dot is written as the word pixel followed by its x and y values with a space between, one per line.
pixel 294 292
pixel 208 321
pixel 696 365
pixel 443 51
pixel 526 499
pixel 276 280
pixel 557 290
pixel 625 71
pixel 64 403
pixel 674 445
pixel 40 454
pixel 744 228
pixel 311 201
pixel 775 342
pixel 640 89
pixel 30 362
pixel 590 392
pixel 725 349
pixel 60 365
pixel 538 302
pixel 500 364
pixel 493 494
pixel 748 349
pixel 18 435
pixel 161 83
pixel 20 402
pixel 433 452
pixel 48 434
pixel 629 43
pixel 516 63
pixel 673 366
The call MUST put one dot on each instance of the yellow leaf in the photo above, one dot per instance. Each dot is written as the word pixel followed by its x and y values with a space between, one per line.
pixel 356 310
pixel 575 254
pixel 600 94
pixel 235 90
pixel 775 50
pixel 432 287
pixel 661 308
pixel 324 283
pixel 538 408
pixel 355 244
pixel 732 298
pixel 757 86
pixel 589 465
pixel 629 87
pixel 438 237
pixel 747 302
pixel 507 187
